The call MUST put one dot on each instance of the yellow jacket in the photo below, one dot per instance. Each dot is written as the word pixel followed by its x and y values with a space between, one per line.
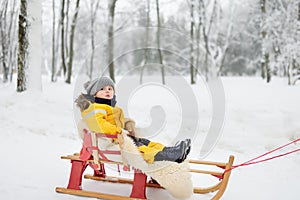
pixel 102 118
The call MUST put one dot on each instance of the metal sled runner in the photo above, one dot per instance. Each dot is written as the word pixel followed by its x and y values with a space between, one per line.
pixel 92 156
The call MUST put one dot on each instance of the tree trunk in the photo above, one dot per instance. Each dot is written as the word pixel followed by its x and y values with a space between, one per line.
pixel 276 50
pixel 299 12
pixel 93 18
pixel 53 66
pixel 62 26
pixel 4 40
pixel 206 40
pixel 297 32
pixel 146 41
pixel 13 45
pixel 73 25
pixel 289 74
pixel 58 65
pixel 198 37
pixel 192 53
pixel 66 18
pixel 227 41
pixel 23 46
pixel 295 71
pixel 111 39
pixel 160 57
pixel 265 67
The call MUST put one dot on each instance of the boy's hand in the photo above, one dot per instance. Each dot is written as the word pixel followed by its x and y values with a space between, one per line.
pixel 130 127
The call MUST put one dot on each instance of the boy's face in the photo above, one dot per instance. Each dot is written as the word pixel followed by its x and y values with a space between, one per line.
pixel 107 92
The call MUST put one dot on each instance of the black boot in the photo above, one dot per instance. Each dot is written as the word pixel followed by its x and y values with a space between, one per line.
pixel 187 149
pixel 171 153
pixel 188 144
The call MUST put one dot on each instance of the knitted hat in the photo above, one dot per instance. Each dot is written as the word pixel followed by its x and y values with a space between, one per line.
pixel 92 87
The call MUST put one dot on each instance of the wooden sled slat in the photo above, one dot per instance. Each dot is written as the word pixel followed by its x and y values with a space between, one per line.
pixel 206 172
pixel 203 162
pixel 76 156
pixel 113 179
pixel 85 193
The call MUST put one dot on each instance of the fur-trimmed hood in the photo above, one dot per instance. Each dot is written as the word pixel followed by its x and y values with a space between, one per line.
pixel 84 100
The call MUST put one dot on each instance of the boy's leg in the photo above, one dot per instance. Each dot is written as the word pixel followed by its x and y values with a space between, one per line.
pixel 139 141
pixel 175 154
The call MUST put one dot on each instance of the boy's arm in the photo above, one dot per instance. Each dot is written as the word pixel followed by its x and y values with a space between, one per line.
pixel 107 127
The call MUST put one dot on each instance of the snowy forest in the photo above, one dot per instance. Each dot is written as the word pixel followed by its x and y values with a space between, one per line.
pixel 224 73
pixel 60 39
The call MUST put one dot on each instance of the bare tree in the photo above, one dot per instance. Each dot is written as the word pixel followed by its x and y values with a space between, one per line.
pixel 7 35
pixel 66 23
pixel 192 50
pixel 23 46
pixel 58 65
pixel 53 66
pixel 294 50
pixel 297 77
pixel 198 38
pixel 206 32
pixel 146 52
pixel 160 57
pixel 4 37
pixel 94 9
pixel 227 40
pixel 111 17
pixel 265 67
pixel 73 25
pixel 62 26
pixel 13 43
pixel 215 40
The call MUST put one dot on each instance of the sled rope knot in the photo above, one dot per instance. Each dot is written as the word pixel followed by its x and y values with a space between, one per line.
pixel 256 161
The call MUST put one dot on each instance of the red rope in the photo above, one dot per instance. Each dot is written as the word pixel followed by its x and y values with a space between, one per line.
pixel 252 161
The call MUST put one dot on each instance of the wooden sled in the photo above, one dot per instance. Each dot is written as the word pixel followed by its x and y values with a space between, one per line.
pixel 80 162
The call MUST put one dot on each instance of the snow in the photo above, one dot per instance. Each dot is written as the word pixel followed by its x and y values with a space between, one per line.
pixel 37 128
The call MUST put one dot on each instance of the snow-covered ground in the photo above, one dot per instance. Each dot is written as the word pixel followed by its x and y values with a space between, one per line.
pixel 37 129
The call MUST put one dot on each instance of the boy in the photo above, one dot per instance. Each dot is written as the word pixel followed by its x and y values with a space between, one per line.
pixel 99 111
